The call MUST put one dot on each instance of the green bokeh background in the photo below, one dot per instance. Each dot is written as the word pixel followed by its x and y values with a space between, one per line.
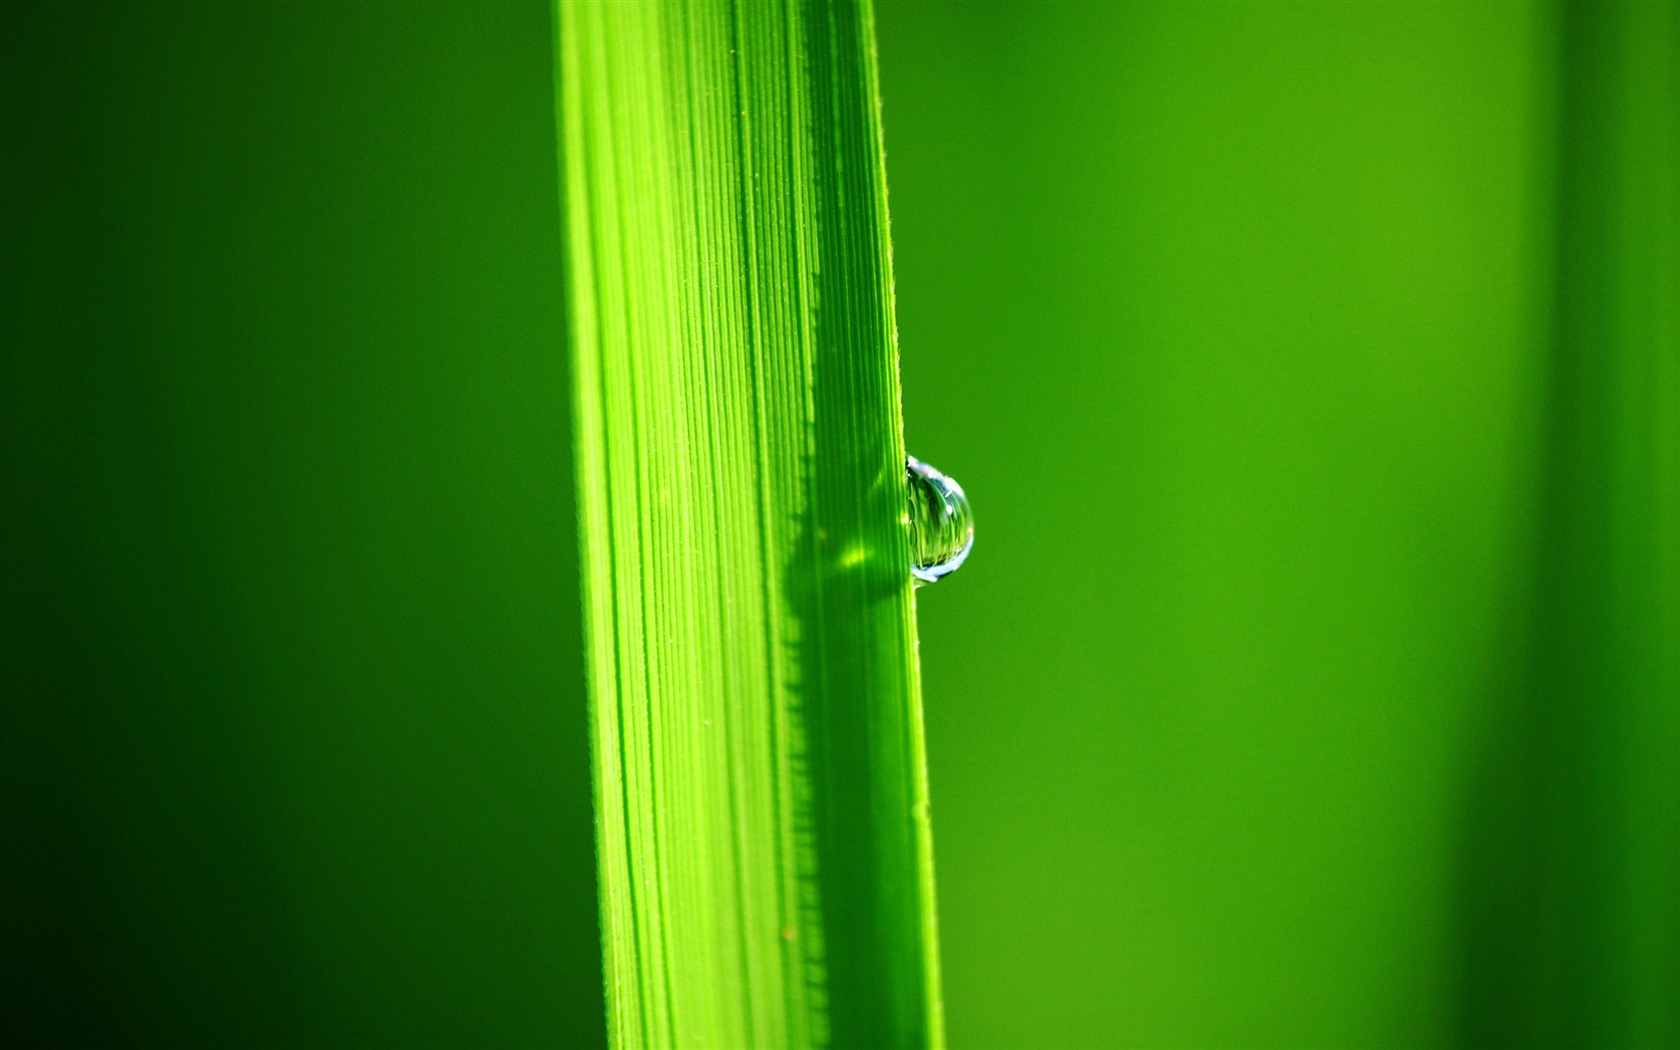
pixel 1313 370
pixel 300 749
pixel 1277 346
pixel 1226 319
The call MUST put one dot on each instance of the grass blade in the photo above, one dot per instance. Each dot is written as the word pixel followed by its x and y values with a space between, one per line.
pixel 765 862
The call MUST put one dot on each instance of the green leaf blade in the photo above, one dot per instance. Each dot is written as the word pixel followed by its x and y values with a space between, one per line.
pixel 761 790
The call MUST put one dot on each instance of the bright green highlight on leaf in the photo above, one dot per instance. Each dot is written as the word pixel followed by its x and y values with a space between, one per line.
pixel 761 798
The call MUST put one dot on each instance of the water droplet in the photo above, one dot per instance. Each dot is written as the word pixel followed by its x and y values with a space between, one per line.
pixel 941 525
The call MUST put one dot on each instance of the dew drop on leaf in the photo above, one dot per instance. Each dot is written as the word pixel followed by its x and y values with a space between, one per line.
pixel 941 524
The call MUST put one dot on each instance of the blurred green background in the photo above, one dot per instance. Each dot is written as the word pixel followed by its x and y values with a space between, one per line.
pixel 1226 318
pixel 1313 371
pixel 300 753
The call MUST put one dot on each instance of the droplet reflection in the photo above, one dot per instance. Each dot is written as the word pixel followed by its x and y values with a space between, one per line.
pixel 941 524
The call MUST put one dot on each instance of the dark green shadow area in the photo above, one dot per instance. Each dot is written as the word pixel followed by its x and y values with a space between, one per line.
pixel 295 740
pixel 1570 908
